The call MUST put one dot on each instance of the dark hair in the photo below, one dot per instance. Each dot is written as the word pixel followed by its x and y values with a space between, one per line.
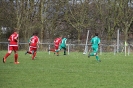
pixel 16 30
pixel 35 33
pixel 96 34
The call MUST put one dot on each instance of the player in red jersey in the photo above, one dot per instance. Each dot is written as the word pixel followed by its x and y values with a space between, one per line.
pixel 13 46
pixel 33 45
pixel 57 42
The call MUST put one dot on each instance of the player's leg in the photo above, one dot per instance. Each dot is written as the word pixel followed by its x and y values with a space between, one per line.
pixel 30 50
pixel 16 55
pixel 96 54
pixel 34 53
pixel 97 58
pixel 93 52
pixel 64 50
pixel 56 48
pixel 10 48
pixel 27 51
pixel 60 47
pixel 53 50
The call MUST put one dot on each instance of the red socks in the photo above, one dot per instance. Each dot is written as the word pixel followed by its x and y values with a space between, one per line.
pixel 7 54
pixel 29 52
pixel 16 57
pixel 33 56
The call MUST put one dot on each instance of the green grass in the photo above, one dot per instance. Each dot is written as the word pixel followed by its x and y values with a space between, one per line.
pixel 71 71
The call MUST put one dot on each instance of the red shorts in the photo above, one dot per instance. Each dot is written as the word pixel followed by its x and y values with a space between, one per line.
pixel 32 49
pixel 14 48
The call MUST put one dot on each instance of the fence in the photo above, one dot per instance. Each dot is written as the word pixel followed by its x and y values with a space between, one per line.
pixel 75 47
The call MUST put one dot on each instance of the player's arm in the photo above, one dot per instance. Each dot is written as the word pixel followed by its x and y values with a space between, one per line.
pixel 99 42
pixel 16 38
pixel 55 41
pixel 9 40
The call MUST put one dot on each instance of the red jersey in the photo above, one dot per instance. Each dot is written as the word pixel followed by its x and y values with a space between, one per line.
pixel 13 39
pixel 34 40
pixel 57 41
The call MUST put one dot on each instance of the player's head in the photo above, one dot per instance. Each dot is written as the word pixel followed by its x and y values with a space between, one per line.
pixel 96 34
pixel 16 30
pixel 64 36
pixel 32 34
pixel 35 33
pixel 61 36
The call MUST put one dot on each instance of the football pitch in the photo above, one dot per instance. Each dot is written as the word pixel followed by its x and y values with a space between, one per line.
pixel 70 71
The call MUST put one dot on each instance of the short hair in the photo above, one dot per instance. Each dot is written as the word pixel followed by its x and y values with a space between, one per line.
pixel 96 34
pixel 16 30
pixel 35 33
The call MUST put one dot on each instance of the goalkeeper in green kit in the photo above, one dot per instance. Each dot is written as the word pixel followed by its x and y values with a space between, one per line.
pixel 95 41
pixel 62 45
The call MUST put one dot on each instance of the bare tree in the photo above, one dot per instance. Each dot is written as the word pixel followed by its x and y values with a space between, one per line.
pixel 125 16
pixel 77 16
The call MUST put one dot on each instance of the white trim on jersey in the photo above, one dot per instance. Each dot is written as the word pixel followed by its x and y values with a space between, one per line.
pixel 33 47
pixel 13 45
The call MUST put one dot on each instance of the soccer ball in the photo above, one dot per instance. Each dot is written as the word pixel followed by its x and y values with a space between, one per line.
pixel 84 53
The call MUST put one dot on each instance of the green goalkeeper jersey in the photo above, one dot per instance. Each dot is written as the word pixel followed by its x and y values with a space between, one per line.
pixel 95 41
pixel 63 43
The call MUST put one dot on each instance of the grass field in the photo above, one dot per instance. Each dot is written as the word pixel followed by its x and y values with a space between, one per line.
pixel 71 71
